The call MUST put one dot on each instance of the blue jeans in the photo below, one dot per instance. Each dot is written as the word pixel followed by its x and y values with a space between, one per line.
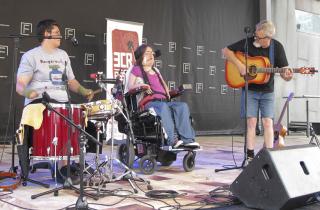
pixel 258 101
pixel 174 116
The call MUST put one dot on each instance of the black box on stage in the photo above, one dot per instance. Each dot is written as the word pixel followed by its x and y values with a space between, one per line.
pixel 280 179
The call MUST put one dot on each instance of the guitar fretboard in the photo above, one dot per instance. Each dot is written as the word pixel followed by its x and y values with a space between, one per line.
pixel 277 70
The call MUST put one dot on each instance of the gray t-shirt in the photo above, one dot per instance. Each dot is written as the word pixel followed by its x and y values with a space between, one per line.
pixel 46 70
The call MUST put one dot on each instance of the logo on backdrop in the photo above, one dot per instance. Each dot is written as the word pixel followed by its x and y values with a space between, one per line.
pixel 88 59
pixel 186 68
pixel 4 51
pixel 212 70
pixel 123 45
pixel 172 46
pixel 171 85
pixel 25 28
pixel 69 33
pixel 223 89
pixel 199 87
pixel 158 64
pixel 200 50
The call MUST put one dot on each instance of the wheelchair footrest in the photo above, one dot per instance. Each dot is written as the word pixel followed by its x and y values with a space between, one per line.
pixel 181 148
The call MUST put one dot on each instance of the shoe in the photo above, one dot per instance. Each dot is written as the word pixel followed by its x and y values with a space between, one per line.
pixel 177 144
pixel 61 174
pixel 248 161
pixel 192 144
pixel 87 169
pixel 74 175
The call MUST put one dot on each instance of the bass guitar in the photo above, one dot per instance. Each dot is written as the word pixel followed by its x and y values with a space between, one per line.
pixel 259 70
pixel 279 130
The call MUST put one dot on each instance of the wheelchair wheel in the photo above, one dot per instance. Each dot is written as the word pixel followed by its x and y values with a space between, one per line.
pixel 189 161
pixel 166 163
pixel 126 154
pixel 147 164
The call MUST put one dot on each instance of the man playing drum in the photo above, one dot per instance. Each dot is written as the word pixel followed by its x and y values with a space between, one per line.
pixel 44 69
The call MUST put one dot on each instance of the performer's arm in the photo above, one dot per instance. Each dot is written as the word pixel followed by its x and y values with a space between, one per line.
pixel 229 54
pixel 75 86
pixel 21 87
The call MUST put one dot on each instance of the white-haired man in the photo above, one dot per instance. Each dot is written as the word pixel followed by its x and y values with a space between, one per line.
pixel 260 96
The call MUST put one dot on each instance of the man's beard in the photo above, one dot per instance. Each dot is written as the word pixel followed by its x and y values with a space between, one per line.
pixel 256 44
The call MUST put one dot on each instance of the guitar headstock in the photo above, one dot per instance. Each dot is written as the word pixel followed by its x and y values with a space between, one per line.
pixel 290 96
pixel 307 70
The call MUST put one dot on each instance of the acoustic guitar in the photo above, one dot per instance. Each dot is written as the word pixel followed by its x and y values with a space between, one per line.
pixel 259 70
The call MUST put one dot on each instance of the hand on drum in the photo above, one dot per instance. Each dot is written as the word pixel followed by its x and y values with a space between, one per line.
pixel 92 93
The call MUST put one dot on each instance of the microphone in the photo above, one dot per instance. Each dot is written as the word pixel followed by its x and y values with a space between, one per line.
pixel 52 37
pixel 45 97
pixel 157 53
pixel 74 41
pixel 247 29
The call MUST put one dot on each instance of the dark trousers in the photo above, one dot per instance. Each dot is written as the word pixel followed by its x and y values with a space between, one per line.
pixel 23 151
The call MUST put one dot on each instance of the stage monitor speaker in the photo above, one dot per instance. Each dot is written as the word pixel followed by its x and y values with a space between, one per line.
pixel 280 179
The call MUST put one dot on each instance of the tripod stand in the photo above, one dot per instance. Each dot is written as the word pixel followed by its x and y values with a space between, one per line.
pixel 245 92
pixel 13 112
pixel 314 138
pixel 16 45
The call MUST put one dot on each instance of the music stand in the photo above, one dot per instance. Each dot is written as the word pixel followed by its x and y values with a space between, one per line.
pixel 247 31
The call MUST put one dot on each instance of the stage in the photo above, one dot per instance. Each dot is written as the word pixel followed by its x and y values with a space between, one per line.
pixel 195 188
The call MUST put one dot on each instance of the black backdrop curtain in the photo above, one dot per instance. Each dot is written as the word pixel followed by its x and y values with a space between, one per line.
pixel 189 33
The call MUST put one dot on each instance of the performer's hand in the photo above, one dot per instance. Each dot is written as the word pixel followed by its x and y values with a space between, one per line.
pixel 89 95
pixel 149 91
pixel 31 94
pixel 287 74
pixel 242 69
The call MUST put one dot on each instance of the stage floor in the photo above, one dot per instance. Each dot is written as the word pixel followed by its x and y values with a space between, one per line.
pixel 195 189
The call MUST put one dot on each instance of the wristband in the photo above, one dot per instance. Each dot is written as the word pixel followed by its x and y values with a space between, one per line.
pixel 83 91
pixel 27 92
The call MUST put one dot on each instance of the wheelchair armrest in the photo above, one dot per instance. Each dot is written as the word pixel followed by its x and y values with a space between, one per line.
pixel 137 90
pixel 177 92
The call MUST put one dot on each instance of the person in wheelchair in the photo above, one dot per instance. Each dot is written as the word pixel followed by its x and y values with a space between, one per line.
pixel 174 116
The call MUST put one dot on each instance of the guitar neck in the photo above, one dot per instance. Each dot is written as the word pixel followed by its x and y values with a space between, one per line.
pixel 277 70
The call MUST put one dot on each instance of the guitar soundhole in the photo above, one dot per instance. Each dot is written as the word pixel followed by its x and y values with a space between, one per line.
pixel 252 70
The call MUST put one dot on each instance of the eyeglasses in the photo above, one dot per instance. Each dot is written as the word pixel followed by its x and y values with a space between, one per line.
pixel 260 38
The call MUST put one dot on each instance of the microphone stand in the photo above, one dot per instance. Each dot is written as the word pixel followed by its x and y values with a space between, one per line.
pixel 81 202
pixel 246 51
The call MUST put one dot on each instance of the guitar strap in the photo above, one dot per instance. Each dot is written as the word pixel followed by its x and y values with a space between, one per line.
pixel 271 53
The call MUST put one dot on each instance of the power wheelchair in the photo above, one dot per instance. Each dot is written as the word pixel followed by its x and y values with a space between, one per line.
pixel 146 138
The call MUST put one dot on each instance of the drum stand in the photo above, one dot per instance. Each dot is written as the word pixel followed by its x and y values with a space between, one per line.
pixel 128 173
pixel 81 202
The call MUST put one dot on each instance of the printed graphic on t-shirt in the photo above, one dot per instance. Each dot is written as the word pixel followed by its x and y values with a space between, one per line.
pixel 55 75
